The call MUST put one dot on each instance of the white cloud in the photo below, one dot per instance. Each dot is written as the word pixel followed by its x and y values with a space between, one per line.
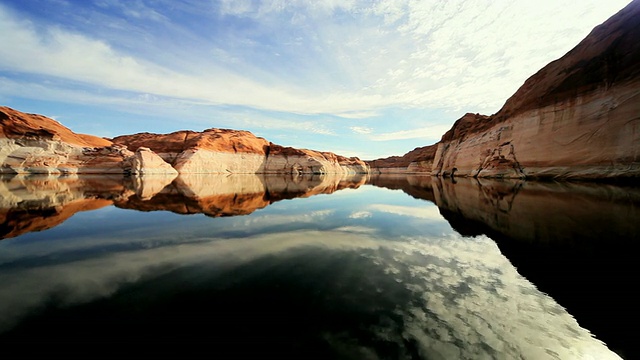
pixel 433 132
pixel 347 58
pixel 360 215
pixel 497 312
pixel 422 212
pixel 361 130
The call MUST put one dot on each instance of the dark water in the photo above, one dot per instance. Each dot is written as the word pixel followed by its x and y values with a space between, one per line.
pixel 318 268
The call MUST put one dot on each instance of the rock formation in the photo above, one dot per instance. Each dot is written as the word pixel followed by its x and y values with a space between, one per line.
pixel 146 162
pixel 571 239
pixel 32 143
pixel 238 152
pixel 418 160
pixel 38 145
pixel 577 118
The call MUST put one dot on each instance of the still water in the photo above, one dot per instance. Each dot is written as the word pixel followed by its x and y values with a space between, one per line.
pixel 248 266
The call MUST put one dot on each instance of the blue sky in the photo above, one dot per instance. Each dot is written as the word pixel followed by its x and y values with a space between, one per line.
pixel 358 78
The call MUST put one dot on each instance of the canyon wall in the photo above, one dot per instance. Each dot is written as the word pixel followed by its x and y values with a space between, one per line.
pixel 578 117
pixel 418 160
pixel 35 144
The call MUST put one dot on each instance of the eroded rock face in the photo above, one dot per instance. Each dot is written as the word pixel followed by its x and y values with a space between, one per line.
pixel 39 145
pixel 418 160
pixel 35 144
pixel 146 162
pixel 224 151
pixel 578 117
pixel 287 160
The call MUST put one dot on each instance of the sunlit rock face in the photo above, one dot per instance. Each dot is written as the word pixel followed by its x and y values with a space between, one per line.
pixel 287 160
pixel 578 117
pixel 38 145
pixel 206 152
pixel 35 144
pixel 237 152
pixel 146 162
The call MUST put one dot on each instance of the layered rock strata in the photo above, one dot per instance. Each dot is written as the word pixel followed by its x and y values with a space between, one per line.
pixel 576 118
pixel 418 160
pixel 32 143
pixel 238 152
pixel 39 145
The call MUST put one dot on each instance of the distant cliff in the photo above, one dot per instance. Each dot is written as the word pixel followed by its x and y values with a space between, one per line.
pixel 578 117
pixel 35 144
pixel 418 160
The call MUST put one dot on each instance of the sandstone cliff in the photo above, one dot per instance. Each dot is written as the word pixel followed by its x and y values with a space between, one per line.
pixel 418 160
pixel 32 143
pixel 237 152
pixel 578 117
pixel 36 144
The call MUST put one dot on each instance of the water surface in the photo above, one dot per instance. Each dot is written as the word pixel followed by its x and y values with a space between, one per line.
pixel 315 267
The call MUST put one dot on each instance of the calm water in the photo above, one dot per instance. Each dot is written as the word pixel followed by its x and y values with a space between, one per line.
pixel 247 266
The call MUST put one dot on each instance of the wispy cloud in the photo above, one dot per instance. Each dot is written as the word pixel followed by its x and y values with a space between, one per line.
pixel 361 130
pixel 424 54
pixel 346 60
pixel 433 132
pixel 423 212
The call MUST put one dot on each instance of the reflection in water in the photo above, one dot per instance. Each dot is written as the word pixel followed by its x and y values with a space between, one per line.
pixel 37 203
pixel 363 274
pixel 575 241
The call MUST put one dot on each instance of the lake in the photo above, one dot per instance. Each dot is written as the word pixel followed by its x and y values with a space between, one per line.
pixel 316 267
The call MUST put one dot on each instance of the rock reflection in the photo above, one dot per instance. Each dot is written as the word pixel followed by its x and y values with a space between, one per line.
pixel 346 289
pixel 36 203
pixel 575 241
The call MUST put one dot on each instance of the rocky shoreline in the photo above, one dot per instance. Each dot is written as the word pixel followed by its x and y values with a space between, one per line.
pixel 34 144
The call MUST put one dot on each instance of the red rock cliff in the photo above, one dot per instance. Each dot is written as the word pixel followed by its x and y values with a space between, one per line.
pixel 578 117
pixel 36 144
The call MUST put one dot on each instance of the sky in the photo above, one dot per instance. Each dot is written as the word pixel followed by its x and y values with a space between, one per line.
pixel 370 78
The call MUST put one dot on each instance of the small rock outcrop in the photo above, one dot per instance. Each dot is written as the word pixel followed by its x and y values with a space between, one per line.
pixel 287 160
pixel 146 162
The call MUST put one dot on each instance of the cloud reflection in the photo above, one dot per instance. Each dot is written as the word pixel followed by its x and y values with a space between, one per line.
pixel 453 297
